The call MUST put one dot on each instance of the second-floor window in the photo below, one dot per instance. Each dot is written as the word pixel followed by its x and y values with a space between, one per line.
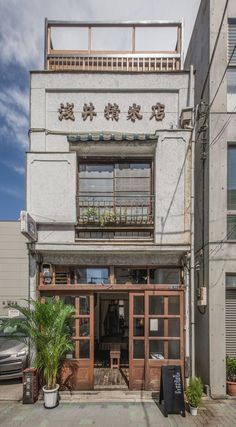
pixel 231 72
pixel 115 192
pixel 231 192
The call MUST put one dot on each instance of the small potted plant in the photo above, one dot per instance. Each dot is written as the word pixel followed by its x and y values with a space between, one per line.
pixel 231 375
pixel 194 394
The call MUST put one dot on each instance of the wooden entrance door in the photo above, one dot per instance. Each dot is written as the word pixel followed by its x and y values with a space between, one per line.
pixel 136 341
pixel 77 373
pixel 156 336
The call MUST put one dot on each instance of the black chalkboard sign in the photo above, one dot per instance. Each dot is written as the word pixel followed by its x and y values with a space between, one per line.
pixel 171 390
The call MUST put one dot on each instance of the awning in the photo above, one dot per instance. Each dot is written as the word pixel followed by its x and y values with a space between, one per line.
pixel 115 136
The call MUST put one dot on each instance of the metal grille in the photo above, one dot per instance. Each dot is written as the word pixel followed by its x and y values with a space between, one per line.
pixel 232 40
pixel 230 321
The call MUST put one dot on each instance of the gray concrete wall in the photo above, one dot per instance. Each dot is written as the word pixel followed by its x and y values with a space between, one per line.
pixel 13 265
pixel 51 164
pixel 219 253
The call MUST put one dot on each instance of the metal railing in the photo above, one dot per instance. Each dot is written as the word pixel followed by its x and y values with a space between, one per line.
pixel 102 211
pixel 132 60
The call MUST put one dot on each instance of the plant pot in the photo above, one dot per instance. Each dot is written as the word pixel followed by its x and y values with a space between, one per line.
pixel 51 397
pixel 193 410
pixel 231 388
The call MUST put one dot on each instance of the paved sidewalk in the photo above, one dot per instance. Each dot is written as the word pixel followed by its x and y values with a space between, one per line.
pixel 126 414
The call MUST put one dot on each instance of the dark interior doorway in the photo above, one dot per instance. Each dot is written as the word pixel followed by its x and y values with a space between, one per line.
pixel 111 340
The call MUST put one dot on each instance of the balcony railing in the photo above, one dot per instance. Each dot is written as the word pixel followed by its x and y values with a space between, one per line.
pixel 128 60
pixel 102 211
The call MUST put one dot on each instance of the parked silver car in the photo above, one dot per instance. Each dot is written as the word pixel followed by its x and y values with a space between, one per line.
pixel 13 353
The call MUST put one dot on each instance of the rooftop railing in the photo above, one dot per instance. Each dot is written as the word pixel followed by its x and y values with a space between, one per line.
pixel 132 59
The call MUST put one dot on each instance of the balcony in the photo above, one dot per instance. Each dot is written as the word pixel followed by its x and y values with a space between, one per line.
pixel 104 212
pixel 133 57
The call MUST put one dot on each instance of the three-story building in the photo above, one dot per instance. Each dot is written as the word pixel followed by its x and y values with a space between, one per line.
pixel 109 186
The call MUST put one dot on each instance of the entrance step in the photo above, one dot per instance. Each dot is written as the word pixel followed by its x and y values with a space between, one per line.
pixel 111 379
pixel 95 396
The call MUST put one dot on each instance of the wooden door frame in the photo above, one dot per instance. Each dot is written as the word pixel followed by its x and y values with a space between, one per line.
pixel 148 363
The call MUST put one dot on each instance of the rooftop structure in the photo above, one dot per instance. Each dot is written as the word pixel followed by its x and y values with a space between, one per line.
pixel 126 48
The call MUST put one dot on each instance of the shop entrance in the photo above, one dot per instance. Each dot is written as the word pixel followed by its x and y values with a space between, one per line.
pixel 111 340
pixel 123 338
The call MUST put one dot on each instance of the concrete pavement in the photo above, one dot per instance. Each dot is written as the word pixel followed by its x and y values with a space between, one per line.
pixel 121 414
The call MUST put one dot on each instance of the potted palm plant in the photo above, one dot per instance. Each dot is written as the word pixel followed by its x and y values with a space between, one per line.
pixel 194 394
pixel 46 325
pixel 231 375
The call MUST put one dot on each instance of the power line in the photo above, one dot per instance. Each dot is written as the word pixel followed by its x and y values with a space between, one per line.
pixel 214 49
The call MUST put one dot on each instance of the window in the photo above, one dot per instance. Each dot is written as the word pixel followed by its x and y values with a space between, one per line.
pixel 115 193
pixel 231 192
pixel 92 276
pixel 231 72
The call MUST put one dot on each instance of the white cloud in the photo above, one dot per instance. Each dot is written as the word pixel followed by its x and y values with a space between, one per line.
pixel 14 110
pixel 22 22
pixel 12 192
pixel 16 168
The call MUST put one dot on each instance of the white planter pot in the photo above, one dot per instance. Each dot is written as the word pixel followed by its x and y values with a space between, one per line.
pixel 50 397
pixel 193 411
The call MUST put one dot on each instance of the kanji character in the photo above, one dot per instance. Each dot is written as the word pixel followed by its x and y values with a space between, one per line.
pixel 158 111
pixel 66 111
pixel 133 113
pixel 111 111
pixel 88 111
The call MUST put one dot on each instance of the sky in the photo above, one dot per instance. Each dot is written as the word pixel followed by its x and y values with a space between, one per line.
pixel 22 50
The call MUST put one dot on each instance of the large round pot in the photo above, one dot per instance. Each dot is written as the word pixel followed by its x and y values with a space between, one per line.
pixel 51 397
pixel 231 388
pixel 193 410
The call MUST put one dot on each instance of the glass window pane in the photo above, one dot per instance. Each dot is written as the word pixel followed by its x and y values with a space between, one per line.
pixel 174 305
pixel 138 327
pixel 84 329
pixel 96 170
pixel 96 185
pixel 92 276
pixel 84 305
pixel 231 177
pixel 84 349
pixel 68 300
pixel 156 305
pixel 231 227
pixel 231 280
pixel 231 89
pixel 173 328
pixel 133 184
pixel 156 327
pixel 133 169
pixel 174 349
pixel 165 276
pixel 130 276
pixel 156 349
pixel 138 349
pixel 138 304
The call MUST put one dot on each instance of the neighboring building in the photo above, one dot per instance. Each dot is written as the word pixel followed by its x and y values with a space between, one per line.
pixel 109 186
pixel 14 269
pixel 214 36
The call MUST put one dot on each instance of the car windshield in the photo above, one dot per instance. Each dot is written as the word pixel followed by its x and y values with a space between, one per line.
pixel 7 330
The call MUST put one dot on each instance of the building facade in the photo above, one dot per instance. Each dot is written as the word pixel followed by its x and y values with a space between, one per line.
pixel 13 265
pixel 109 187
pixel 212 52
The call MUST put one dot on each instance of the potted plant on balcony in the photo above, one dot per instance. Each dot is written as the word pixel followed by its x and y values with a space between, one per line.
pixel 194 394
pixel 46 325
pixel 231 375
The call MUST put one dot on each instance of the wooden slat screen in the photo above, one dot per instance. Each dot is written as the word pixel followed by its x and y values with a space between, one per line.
pixel 232 40
pixel 230 322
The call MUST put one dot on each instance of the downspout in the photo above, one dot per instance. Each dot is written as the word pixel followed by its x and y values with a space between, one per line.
pixel 192 237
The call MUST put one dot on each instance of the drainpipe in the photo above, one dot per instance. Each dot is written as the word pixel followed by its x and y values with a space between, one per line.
pixel 192 235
